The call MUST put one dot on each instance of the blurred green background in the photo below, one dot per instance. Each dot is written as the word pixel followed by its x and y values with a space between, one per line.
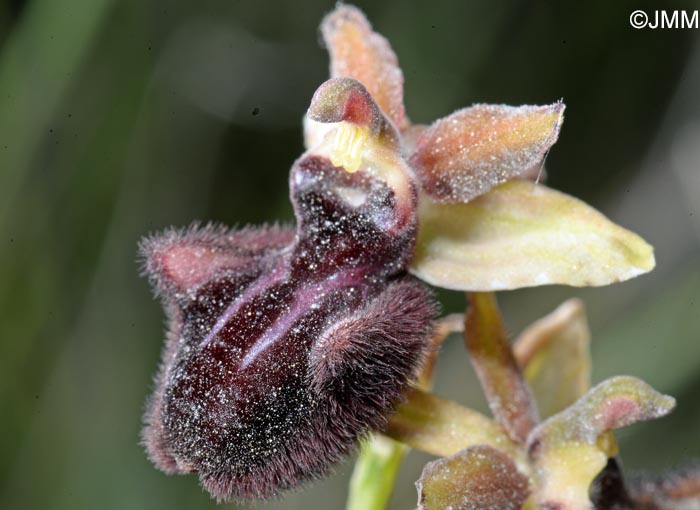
pixel 120 118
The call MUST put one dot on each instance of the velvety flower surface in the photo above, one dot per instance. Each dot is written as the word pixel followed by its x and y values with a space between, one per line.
pixel 285 345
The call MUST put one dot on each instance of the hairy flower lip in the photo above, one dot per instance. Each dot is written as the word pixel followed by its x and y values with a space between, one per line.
pixel 339 419
pixel 244 397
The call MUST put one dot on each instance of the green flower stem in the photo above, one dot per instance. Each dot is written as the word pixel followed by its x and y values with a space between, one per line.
pixel 375 472
pixel 379 461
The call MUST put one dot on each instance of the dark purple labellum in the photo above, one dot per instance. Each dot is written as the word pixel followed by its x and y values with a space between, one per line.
pixel 285 346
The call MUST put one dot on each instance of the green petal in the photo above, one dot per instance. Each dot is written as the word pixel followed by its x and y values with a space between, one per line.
pixel 569 449
pixel 522 234
pixel 555 357
pixel 477 478
pixel 437 426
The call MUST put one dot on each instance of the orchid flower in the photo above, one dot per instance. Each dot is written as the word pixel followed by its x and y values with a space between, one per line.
pixel 286 346
pixel 480 227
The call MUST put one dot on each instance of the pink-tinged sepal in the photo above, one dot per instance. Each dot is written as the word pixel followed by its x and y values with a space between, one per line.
pixel 360 53
pixel 464 155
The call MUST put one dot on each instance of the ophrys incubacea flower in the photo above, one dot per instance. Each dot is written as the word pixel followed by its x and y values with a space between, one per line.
pixel 286 345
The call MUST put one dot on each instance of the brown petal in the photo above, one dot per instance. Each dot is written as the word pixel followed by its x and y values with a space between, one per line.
pixel 478 478
pixel 469 152
pixel 358 52
pixel 509 397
